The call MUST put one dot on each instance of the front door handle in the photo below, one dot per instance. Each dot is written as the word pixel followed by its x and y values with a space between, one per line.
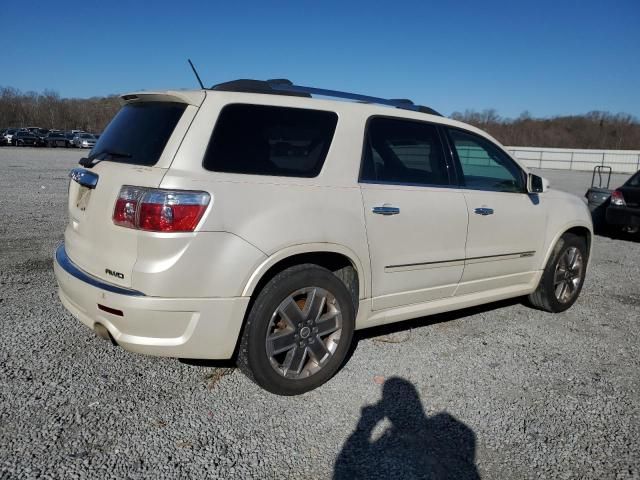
pixel 386 209
pixel 484 211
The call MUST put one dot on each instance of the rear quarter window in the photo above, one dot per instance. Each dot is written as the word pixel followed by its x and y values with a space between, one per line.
pixel 141 131
pixel 268 140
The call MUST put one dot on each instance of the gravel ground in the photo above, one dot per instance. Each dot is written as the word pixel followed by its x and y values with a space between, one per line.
pixel 501 391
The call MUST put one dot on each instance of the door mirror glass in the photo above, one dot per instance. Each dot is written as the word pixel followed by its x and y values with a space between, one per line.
pixel 535 184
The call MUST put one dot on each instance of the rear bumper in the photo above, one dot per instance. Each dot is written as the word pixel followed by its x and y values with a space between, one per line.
pixel 205 328
pixel 623 216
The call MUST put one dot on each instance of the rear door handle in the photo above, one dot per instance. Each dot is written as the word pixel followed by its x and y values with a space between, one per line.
pixel 386 209
pixel 484 211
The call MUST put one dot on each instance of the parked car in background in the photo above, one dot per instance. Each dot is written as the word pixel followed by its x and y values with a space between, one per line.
pixel 69 136
pixel 253 219
pixel 25 138
pixel 7 138
pixel 55 139
pixel 624 207
pixel 84 140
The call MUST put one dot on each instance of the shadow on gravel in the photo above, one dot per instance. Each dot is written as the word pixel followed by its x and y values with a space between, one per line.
pixel 393 328
pixel 615 234
pixel 387 333
pixel 413 445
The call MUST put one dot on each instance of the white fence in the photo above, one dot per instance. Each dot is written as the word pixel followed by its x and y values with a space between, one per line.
pixel 620 161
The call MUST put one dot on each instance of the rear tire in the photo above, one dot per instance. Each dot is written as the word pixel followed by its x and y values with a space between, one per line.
pixel 563 276
pixel 298 331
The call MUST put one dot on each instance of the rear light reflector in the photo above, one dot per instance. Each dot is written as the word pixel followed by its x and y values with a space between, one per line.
pixel 157 210
pixel 617 198
pixel 112 311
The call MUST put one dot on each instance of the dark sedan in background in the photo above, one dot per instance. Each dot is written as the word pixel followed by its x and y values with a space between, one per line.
pixel 55 139
pixel 624 206
pixel 24 138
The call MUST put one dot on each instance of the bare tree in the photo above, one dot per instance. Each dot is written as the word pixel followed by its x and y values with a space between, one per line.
pixel 592 130
pixel 49 110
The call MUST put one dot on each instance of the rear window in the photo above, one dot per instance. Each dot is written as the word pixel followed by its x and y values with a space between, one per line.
pixel 267 140
pixel 634 181
pixel 140 131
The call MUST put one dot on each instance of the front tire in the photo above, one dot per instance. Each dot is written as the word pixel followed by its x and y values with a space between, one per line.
pixel 298 331
pixel 563 276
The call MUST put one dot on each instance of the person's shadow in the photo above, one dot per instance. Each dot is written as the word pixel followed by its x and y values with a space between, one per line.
pixel 412 446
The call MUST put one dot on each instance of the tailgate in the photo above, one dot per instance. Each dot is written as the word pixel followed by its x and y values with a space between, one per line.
pixel 92 241
pixel 135 149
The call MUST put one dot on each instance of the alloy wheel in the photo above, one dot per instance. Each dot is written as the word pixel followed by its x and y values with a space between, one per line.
pixel 568 274
pixel 304 332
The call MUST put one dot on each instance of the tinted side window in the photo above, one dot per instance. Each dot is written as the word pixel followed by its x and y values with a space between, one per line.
pixel 266 140
pixel 140 132
pixel 485 166
pixel 402 151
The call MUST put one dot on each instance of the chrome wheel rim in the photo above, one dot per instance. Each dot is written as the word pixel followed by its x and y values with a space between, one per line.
pixel 304 332
pixel 568 274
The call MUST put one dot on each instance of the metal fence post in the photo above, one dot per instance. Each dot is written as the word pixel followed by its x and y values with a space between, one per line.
pixel 603 159
pixel 571 162
pixel 638 163
pixel 541 152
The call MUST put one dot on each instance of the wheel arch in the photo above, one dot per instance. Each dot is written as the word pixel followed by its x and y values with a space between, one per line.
pixel 580 229
pixel 332 256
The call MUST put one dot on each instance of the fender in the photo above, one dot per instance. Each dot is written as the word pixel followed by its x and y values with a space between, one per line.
pixel 559 233
pixel 363 275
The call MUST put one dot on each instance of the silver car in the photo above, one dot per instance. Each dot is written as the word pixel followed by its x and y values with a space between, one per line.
pixel 84 140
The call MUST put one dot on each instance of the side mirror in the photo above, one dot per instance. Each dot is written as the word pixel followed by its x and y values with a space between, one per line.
pixel 536 184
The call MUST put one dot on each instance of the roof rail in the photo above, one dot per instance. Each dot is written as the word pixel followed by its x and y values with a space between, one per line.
pixel 282 86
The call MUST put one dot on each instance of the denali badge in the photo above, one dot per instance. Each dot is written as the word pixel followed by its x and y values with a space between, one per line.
pixel 114 274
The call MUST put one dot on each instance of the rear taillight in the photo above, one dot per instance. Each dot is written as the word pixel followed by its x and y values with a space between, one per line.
pixel 617 198
pixel 157 210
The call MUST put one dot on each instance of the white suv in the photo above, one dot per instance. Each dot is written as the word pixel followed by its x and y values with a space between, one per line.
pixel 252 221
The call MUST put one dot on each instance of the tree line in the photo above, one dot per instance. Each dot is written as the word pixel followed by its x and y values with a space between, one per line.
pixel 592 130
pixel 49 110
pixel 599 130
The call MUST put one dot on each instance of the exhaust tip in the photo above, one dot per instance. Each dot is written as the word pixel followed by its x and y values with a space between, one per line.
pixel 102 332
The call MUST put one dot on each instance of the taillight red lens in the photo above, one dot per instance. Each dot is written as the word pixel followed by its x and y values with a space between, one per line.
pixel 159 210
pixel 617 198
pixel 170 218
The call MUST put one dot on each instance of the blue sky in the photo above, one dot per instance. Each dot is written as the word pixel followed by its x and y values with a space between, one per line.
pixel 547 57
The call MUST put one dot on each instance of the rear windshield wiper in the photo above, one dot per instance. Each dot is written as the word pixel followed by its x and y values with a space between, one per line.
pixel 91 160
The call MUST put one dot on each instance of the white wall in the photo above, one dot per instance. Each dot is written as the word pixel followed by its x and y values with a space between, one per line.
pixel 620 161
